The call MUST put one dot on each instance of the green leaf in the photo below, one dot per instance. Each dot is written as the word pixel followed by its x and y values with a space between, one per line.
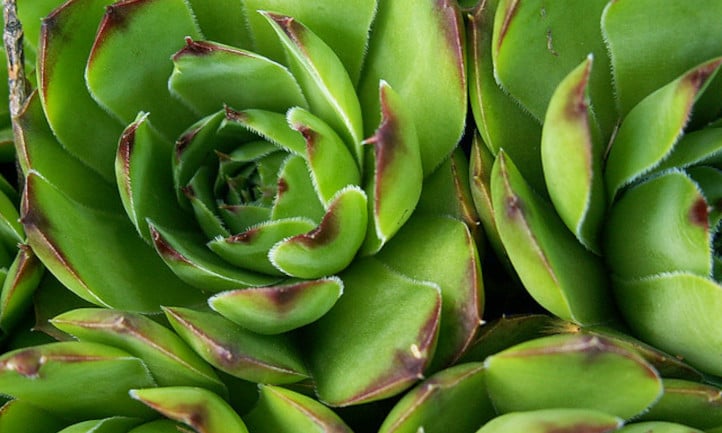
pixel 279 308
pixel 219 21
pixel 128 274
pixel 344 26
pixel 324 80
pixel 453 264
pixel 190 259
pixel 250 249
pixel 553 420
pixel 572 154
pixel 394 184
pixel 283 411
pixel 169 359
pixel 296 194
pixel 554 38
pixel 158 426
pixel 207 76
pixel 672 204
pixel 558 272
pixel 39 151
pixel 652 128
pixel 128 73
pixel 332 245
pixel 574 371
pixel 331 165
pixel 115 424
pixel 47 375
pixel 144 179
pixel 657 427
pixel 18 287
pixel 383 329
pixel 400 54
pixel 67 36
pixel 456 396
pixel 502 122
pixel 690 403
pixel 680 36
pixel 648 303
pixel 258 358
pixel 480 164
pixel 196 407
pixel 697 147
pixel 19 415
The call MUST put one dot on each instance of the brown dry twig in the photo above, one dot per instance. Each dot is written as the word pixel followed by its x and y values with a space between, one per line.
pixel 13 39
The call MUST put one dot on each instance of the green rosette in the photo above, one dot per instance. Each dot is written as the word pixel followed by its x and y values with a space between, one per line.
pixel 273 160
pixel 624 228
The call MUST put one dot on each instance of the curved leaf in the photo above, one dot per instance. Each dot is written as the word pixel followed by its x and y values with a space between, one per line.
pixel 400 54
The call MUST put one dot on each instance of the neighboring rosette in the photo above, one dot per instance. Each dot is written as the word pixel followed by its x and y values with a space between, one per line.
pixel 629 158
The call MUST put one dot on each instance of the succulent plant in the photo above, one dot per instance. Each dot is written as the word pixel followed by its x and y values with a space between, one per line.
pixel 611 177
pixel 265 180
pixel 267 216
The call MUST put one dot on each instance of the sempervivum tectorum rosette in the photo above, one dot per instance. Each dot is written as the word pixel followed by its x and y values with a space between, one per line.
pixel 283 159
pixel 611 177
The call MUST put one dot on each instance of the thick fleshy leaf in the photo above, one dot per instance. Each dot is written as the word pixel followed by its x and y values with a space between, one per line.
pixel 690 403
pixel 250 249
pixel 144 178
pixel 66 39
pixel 11 231
pixel 671 204
pixel 447 192
pixel 323 78
pixel 411 253
pixel 115 424
pixel 258 358
pixel 128 275
pixel 648 303
pixel 698 147
pixel 508 331
pixel 21 416
pixel 39 151
pixel 502 122
pixel 669 49
pixel 400 55
pixel 657 427
pixel 18 287
pixel 344 26
pixel 188 257
pixel 555 38
pixel 207 76
pixel 219 21
pixel 126 73
pixel 281 410
pixel 332 245
pixel 456 396
pixel 331 165
pixel 394 186
pixel 377 339
pixel 572 153
pixel 480 164
pixel 157 426
pixel 296 194
pixel 196 407
pixel 576 371
pixel 271 126
pixel 279 308
pixel 553 421
pixel 652 128
pixel 558 272
pixel 169 359
pixel 49 374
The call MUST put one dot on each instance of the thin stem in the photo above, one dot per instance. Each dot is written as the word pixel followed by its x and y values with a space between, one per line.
pixel 13 39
